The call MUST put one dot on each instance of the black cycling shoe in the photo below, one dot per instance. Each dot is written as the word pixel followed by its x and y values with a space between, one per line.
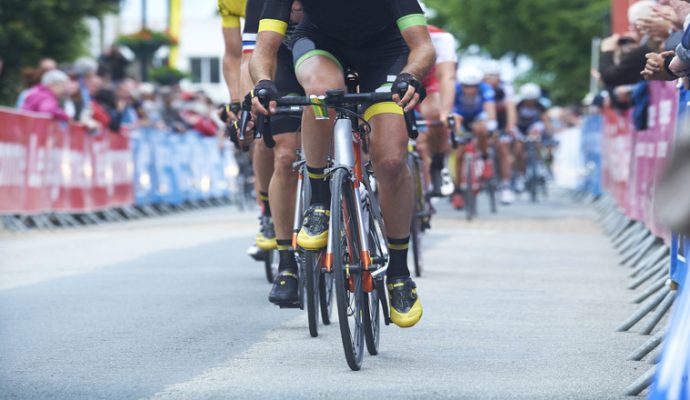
pixel 285 289
pixel 436 183
pixel 405 307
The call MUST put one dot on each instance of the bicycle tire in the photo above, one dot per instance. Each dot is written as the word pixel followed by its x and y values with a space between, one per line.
pixel 416 242
pixel 372 321
pixel 416 224
pixel 349 304
pixel 312 271
pixel 326 296
pixel 533 182
pixel 491 191
pixel 271 261
pixel 470 196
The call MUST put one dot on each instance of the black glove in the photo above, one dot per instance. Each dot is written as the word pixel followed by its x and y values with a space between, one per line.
pixel 226 109
pixel 231 130
pixel 267 90
pixel 408 80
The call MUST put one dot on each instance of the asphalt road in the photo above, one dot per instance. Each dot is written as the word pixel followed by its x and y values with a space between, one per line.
pixel 520 305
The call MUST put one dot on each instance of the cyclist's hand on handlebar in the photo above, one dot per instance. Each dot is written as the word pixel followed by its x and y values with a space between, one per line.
pixel 267 92
pixel 229 113
pixel 412 96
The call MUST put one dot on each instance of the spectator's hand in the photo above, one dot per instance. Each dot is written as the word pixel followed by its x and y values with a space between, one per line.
pixel 665 12
pixel 654 70
pixel 679 67
pixel 610 43
pixel 657 28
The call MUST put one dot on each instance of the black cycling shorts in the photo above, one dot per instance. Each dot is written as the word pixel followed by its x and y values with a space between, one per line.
pixel 377 63
pixel 287 85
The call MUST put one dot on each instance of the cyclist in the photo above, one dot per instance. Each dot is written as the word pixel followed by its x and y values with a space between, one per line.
pixel 275 178
pixel 475 102
pixel 273 167
pixel 387 43
pixel 506 118
pixel 440 88
pixel 531 123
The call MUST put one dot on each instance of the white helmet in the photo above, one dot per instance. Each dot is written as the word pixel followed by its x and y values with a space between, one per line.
pixel 530 91
pixel 492 67
pixel 470 76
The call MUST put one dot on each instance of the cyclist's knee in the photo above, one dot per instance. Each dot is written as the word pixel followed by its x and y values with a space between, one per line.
pixel 389 168
pixel 317 76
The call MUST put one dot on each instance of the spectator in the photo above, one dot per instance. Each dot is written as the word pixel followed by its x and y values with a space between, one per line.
pixel 112 64
pixel 126 92
pixel 623 57
pixel 32 77
pixel 151 108
pixel 46 96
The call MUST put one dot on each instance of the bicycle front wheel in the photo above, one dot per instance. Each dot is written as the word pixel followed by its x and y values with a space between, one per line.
pixel 349 293
pixel 312 270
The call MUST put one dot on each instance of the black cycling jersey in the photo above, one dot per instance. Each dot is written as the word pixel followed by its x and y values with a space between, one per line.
pixel 501 109
pixel 353 22
pixel 285 79
pixel 528 115
pixel 251 22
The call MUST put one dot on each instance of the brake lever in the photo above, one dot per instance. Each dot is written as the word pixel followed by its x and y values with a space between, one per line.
pixel 410 119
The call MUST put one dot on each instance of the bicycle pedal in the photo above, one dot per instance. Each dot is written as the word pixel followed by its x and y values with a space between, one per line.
pixel 289 305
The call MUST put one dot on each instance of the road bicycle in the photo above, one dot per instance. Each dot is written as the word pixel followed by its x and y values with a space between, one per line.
pixel 357 251
pixel 473 172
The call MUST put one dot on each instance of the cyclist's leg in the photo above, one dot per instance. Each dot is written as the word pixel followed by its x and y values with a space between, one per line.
pixel 436 140
pixel 318 70
pixel 283 184
pixel 378 66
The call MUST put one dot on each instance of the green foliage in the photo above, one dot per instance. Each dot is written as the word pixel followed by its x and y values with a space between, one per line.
pixel 34 29
pixel 166 75
pixel 555 34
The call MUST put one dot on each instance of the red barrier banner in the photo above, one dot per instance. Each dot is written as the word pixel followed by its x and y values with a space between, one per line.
pixel 48 166
pixel 663 113
pixel 633 160
pixel 616 154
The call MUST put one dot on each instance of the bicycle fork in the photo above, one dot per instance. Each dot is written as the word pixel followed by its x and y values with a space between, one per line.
pixel 347 155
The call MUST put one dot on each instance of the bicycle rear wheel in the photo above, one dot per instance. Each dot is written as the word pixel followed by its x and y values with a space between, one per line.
pixel 349 294
pixel 326 296
pixel 419 208
pixel 271 261
pixel 312 270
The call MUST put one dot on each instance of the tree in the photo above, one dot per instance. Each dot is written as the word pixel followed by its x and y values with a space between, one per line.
pixel 555 34
pixel 33 29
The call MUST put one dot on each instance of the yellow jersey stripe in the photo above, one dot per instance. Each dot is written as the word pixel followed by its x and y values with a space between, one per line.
pixel 273 25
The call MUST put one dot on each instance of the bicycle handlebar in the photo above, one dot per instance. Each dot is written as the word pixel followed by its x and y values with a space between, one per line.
pixel 333 98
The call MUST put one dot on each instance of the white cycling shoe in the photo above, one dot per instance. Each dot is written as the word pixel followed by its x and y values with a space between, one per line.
pixel 507 196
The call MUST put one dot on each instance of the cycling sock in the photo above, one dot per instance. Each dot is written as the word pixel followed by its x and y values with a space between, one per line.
pixel 397 268
pixel 437 161
pixel 320 192
pixel 265 205
pixel 286 255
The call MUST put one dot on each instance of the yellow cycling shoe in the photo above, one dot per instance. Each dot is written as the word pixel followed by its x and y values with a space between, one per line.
pixel 314 232
pixel 266 238
pixel 405 307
